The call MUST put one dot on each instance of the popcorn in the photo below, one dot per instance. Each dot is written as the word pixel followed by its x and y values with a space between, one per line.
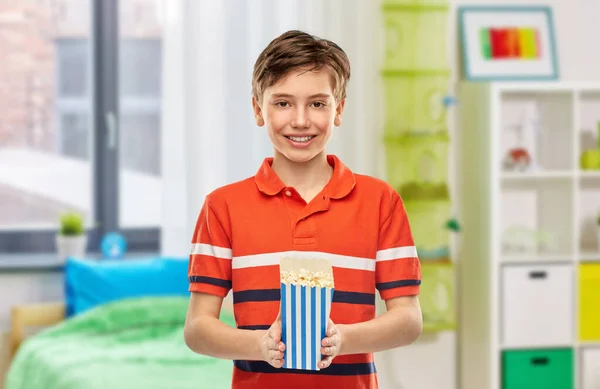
pixel 307 288
pixel 305 277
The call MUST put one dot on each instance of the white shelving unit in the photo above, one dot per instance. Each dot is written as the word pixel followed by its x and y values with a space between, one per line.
pixel 524 322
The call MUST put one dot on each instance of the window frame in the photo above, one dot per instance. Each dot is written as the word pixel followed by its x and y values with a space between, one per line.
pixel 105 114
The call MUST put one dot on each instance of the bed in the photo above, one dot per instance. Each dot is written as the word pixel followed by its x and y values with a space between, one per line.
pixel 111 334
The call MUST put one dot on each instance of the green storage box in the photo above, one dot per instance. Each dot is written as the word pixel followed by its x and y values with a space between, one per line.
pixel 437 297
pixel 417 158
pixel 414 102
pixel 538 369
pixel 415 36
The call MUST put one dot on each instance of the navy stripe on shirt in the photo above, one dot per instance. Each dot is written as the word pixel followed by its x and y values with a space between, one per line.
pixel 353 297
pixel 337 369
pixel 210 281
pixel 255 327
pixel 245 296
pixel 397 284
pixel 339 296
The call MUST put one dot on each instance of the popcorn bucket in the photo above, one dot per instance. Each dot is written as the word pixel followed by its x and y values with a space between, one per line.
pixel 306 295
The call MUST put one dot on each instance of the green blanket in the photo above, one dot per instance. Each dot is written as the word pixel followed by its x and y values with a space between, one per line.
pixel 129 344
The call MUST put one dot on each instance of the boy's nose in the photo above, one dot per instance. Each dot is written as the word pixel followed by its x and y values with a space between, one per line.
pixel 301 119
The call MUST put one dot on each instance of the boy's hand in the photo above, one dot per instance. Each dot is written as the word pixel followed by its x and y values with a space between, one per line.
pixel 331 344
pixel 271 346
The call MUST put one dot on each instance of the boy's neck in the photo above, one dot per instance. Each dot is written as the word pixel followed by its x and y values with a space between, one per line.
pixel 308 178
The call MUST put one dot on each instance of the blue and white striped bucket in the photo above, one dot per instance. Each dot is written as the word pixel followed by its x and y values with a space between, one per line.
pixel 304 316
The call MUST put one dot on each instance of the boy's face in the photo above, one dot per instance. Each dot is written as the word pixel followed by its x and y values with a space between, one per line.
pixel 299 113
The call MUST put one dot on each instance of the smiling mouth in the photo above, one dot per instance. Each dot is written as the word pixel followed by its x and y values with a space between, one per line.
pixel 301 139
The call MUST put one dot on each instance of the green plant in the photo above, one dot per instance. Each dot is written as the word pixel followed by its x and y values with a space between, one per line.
pixel 71 224
pixel 598 219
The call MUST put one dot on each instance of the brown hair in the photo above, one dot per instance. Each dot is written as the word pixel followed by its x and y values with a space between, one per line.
pixel 299 50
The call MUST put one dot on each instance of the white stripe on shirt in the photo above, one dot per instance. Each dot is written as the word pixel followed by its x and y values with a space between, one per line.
pixel 397 253
pixel 336 260
pixel 213 251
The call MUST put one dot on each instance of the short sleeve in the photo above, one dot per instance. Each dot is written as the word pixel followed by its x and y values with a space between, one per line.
pixel 209 270
pixel 397 269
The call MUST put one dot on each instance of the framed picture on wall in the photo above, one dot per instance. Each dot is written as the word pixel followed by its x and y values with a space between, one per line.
pixel 508 43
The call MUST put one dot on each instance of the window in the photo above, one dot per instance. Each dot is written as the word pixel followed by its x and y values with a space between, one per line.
pixel 81 87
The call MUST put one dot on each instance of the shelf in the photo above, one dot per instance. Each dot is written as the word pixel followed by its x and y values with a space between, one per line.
pixel 589 180
pixel 537 225
pixel 538 347
pixel 533 259
pixel 590 174
pixel 538 175
pixel 589 210
pixel 546 259
pixel 589 256
pixel 540 123
pixel 590 344
pixel 535 218
pixel 588 133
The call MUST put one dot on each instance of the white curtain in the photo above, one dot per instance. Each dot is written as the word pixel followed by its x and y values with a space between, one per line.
pixel 209 136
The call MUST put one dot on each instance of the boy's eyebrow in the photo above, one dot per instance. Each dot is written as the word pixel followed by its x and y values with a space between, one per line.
pixel 287 95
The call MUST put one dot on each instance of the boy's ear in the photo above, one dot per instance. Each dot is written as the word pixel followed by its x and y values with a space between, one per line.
pixel 257 113
pixel 338 113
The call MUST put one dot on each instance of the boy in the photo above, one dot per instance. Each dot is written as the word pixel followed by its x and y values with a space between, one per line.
pixel 302 203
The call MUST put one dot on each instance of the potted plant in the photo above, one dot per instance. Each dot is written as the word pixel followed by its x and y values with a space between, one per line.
pixel 71 240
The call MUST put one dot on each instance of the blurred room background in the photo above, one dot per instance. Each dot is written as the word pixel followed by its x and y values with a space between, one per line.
pixel 117 117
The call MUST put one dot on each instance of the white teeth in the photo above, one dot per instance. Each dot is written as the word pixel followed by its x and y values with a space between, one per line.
pixel 300 139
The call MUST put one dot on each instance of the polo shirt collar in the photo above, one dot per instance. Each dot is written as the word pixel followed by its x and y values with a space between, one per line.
pixel 340 184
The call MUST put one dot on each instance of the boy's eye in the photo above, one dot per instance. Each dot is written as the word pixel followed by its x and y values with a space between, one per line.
pixel 318 104
pixel 282 104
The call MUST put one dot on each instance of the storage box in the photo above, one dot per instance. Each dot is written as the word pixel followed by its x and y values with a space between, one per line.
pixel 589 302
pixel 415 35
pixel 414 102
pixel 590 368
pixel 306 294
pixel 538 369
pixel 537 306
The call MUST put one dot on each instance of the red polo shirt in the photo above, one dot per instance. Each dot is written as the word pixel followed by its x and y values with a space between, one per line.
pixel 357 222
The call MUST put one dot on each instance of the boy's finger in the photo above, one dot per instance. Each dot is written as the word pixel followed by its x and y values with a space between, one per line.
pixel 328 342
pixel 274 355
pixel 331 331
pixel 275 333
pixel 325 362
pixel 272 344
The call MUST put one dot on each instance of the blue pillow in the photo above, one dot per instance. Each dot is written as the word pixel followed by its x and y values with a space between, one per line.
pixel 89 283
